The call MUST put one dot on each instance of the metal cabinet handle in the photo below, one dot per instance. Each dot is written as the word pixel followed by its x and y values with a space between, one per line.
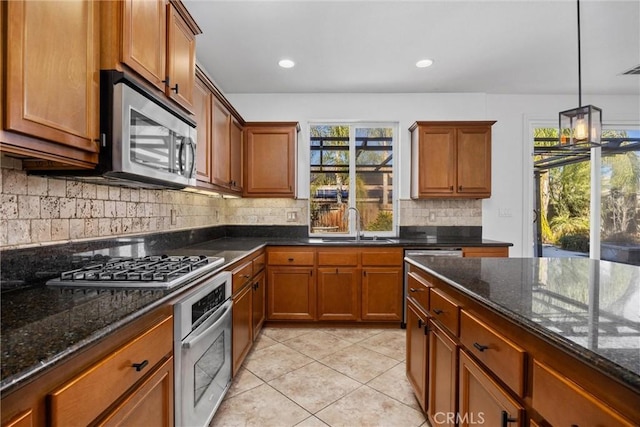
pixel 451 188
pixel 419 323
pixel 290 259
pixel 416 290
pixel 480 347
pixel 506 419
pixel 175 88
pixel 140 366
pixel 460 188
pixel 438 311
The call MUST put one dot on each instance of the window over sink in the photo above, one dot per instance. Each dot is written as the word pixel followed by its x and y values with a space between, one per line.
pixel 351 184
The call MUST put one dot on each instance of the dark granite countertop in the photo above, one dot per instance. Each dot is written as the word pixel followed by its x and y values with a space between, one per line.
pixel 589 308
pixel 41 325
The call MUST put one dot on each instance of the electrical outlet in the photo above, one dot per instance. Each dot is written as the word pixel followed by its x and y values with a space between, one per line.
pixel 292 216
pixel 504 212
pixel 432 217
pixel 217 215
pixel 174 217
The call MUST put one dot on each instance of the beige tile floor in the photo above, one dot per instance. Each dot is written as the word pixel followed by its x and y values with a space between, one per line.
pixel 322 377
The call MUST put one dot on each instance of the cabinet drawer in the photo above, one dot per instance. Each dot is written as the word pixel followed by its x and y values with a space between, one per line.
pixel 241 275
pixel 258 263
pixel 496 352
pixel 445 310
pixel 382 257
pixel 338 257
pixel 562 402
pixel 418 289
pixel 83 398
pixel 291 258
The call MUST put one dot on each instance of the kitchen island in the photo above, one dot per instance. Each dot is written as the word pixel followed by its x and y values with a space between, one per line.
pixel 553 340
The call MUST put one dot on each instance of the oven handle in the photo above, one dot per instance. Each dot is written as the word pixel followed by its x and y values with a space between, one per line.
pixel 193 340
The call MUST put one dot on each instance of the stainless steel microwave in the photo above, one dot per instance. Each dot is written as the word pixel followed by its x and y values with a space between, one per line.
pixel 145 139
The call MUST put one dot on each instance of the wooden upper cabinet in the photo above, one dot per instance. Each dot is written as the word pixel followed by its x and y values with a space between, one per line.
pixel 269 159
pixel 235 154
pixel 144 42
pixel 155 39
pixel 451 159
pixel 221 174
pixel 181 58
pixel 51 67
pixel 202 99
pixel 219 129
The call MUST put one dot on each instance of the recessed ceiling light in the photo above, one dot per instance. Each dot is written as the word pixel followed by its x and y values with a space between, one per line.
pixel 424 63
pixel 286 63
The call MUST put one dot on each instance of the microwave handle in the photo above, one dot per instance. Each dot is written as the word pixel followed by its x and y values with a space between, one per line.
pixel 187 141
pixel 193 157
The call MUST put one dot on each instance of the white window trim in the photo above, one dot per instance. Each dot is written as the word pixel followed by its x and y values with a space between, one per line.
pixel 352 159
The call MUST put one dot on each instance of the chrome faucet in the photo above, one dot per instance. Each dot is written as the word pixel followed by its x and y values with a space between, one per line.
pixel 357 222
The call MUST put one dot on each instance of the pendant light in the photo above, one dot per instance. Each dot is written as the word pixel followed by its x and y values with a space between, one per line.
pixel 580 127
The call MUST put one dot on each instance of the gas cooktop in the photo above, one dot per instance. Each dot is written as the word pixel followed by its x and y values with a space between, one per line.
pixel 155 271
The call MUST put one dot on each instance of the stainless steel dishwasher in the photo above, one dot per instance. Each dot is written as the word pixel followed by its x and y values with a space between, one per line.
pixel 436 252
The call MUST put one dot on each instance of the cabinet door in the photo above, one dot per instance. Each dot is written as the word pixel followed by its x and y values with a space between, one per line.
pixel 577 406
pixel 221 173
pixel 150 403
pixel 338 293
pixel 474 161
pixel 486 252
pixel 382 293
pixel 443 378
pixel 259 291
pixel 482 400
pixel 291 293
pixel 235 153
pixel 436 159
pixel 52 77
pixel 417 350
pixel 181 59
pixel 269 162
pixel 242 335
pixel 144 39
pixel 202 98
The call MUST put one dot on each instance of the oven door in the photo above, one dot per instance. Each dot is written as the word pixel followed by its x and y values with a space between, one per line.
pixel 205 369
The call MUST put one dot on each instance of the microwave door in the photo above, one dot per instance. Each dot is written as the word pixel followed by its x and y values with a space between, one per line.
pixel 151 144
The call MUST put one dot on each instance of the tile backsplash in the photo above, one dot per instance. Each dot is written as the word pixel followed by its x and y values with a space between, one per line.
pixel 37 210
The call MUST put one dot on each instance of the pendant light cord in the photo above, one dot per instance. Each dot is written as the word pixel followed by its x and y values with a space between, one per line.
pixel 579 60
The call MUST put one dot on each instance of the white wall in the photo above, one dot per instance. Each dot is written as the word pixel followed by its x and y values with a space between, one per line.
pixel 511 176
pixel 512 173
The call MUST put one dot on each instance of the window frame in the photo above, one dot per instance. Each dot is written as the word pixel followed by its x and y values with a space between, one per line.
pixel 353 125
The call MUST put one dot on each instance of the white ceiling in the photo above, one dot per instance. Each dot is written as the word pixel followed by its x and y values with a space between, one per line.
pixel 515 47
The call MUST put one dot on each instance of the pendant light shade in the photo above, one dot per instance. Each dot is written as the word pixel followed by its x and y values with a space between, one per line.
pixel 580 127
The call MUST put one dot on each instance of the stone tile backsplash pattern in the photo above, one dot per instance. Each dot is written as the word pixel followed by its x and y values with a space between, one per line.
pixel 38 209
pixel 454 212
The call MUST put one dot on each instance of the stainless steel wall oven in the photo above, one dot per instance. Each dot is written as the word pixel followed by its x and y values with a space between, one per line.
pixel 202 351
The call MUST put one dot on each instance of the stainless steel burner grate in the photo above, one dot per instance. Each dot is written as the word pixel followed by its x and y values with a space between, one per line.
pixel 150 271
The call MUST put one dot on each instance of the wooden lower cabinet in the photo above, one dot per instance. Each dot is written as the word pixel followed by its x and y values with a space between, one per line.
pixel 338 293
pixel 259 291
pixel 241 331
pixel 553 394
pixel 482 400
pixel 248 284
pixel 291 293
pixel 486 252
pixel 417 351
pixel 150 404
pixel 442 384
pixel 382 293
